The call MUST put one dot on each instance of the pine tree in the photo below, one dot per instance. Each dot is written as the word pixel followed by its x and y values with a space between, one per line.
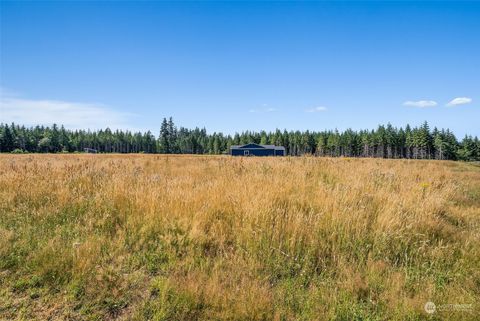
pixel 468 149
pixel 164 138
pixel 54 139
pixel 7 140
pixel 172 136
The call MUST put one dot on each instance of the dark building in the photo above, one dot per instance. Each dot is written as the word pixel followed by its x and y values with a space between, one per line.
pixel 257 150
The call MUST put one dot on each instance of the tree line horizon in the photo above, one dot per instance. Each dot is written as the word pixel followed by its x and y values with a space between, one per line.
pixel 386 141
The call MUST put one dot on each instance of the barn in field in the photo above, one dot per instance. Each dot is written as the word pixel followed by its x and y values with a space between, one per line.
pixel 252 149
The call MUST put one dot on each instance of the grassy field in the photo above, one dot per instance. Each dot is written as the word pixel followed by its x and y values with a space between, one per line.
pixel 148 237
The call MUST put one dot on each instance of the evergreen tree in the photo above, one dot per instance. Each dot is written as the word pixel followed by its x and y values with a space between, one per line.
pixel 7 139
pixel 172 136
pixel 164 138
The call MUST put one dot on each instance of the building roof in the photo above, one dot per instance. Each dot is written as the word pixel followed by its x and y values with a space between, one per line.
pixel 259 146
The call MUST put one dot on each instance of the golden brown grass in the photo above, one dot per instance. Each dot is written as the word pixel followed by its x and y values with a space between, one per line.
pixel 148 237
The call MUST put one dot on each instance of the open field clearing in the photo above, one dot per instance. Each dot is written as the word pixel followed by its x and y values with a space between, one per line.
pixel 148 237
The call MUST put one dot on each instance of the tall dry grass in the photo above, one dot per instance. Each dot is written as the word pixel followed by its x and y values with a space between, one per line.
pixel 147 237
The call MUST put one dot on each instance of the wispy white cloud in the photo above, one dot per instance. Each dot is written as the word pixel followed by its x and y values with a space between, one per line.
pixel 421 103
pixel 73 115
pixel 265 109
pixel 316 109
pixel 459 101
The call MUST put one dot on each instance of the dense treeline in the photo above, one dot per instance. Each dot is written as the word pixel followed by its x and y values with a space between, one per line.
pixel 385 142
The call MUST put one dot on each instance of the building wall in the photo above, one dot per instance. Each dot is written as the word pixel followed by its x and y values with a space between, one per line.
pixel 236 152
pixel 253 152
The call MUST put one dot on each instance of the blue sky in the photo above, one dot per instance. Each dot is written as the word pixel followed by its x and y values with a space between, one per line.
pixel 232 66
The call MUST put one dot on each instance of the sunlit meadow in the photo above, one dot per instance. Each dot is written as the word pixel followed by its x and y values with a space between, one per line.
pixel 148 237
